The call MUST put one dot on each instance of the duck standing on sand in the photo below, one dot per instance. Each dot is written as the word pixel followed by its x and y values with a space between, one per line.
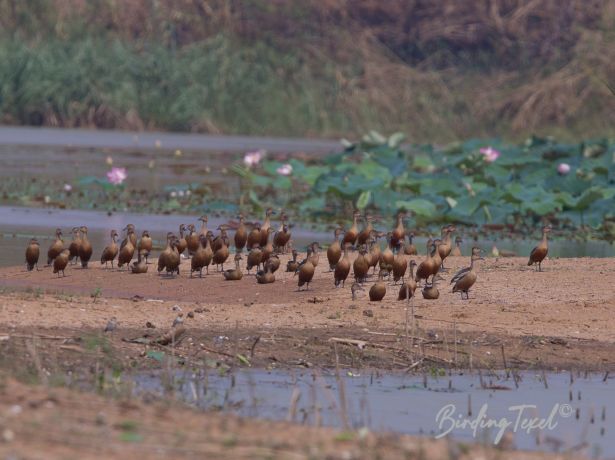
pixel 400 265
pixel 33 252
pixel 166 254
pixel 456 251
pixel 255 257
pixel 282 236
pixel 241 235
pixel 398 235
pixel 410 248
pixel 56 247
pixel 60 262
pixel 378 289
pixel 144 246
pixel 110 252
pixel 181 243
pixel 446 246
pixel 85 251
pixel 306 271
pixel 360 266
pixel 342 269
pixel 199 258
pixel 127 251
pixel 366 233
pixel 192 240
pixel 334 251
pixel 427 266
pixel 408 288
pixel 353 232
pixel 74 246
pixel 265 227
pixel 466 280
pixel 292 265
pixel 539 253
pixel 221 254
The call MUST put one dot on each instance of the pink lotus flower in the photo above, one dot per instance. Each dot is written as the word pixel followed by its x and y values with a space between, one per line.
pixel 285 170
pixel 253 158
pixel 563 169
pixel 68 188
pixel 117 175
pixel 490 154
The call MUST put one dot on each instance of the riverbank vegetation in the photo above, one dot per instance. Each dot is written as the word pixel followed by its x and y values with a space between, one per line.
pixel 506 68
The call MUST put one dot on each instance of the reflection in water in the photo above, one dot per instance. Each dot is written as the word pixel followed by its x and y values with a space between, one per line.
pixel 410 403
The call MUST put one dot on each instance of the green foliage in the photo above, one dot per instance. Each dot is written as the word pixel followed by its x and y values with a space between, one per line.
pixel 454 183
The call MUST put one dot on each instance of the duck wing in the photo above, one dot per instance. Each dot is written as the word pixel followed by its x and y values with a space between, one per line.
pixel 460 274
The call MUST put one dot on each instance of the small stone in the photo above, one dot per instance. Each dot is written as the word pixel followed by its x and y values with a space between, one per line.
pixel 190 314
pixel 176 308
pixel 150 325
pixel 8 435
pixel 369 313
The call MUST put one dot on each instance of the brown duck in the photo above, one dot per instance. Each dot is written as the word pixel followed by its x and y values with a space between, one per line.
pixel 427 266
pixel 315 255
pixel 221 239
pixel 144 246
pixel 265 227
pixel 56 247
pixel 268 249
pixel 61 261
pixel 342 269
pixel 430 291
pixel 456 251
pixel 130 236
pixel 378 289
pixel 241 235
pixel 181 243
pixel 221 254
pixel 446 246
pixel 33 252
pixel 265 276
pixel 387 257
pixel 410 248
pixel 365 234
pixel 306 272
pixel 192 240
pixel 374 251
pixel 409 286
pixel 282 236
pixel 475 252
pixel 203 232
pixel 274 263
pixel 202 257
pixel 166 255
pixel 255 257
pixel 334 251
pixel 85 251
pixel 126 253
pixel 436 257
pixel 254 237
pixel 466 280
pixel 400 265
pixel 174 259
pixel 353 232
pixel 110 252
pixel 292 265
pixel 234 274
pixel 398 235
pixel 360 266
pixel 140 266
pixel 539 253
pixel 75 245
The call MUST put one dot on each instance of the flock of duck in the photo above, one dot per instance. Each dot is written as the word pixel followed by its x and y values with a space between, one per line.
pixel 263 245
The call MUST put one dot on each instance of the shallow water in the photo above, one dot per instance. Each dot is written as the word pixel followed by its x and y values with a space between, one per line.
pixel 18 225
pixel 410 403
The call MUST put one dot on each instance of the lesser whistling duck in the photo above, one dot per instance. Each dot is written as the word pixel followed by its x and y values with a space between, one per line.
pixel 427 266
pixel 56 247
pixel 130 236
pixel 315 255
pixel 387 257
pixel 410 248
pixel 282 236
pixel 456 251
pixel 374 251
pixel 342 269
pixel 33 252
pixel 234 274
pixel 203 232
pixel 140 266
pixel 360 266
pixel 466 280
pixel 268 249
pixel 539 253
pixel 365 234
pixel 85 251
pixel 254 237
pixel 446 246
pixel 192 240
pixel 398 235
pixel 110 252
pixel 292 265
pixel 61 261
pixel 334 251
pixel 182 243
pixel 475 252
pixel 145 245
pixel 255 257
pixel 353 232
pixel 127 251
pixel 174 259
pixel 199 258
pixel 305 272
pixel 265 276
pixel 430 291
pixel 436 257
pixel 221 254
pixel 75 245
pixel 221 239
pixel 274 262
pixel 400 265
pixel 165 255
pixel 209 253
pixel 378 289
pixel 265 227
pixel 241 235
pixel 408 288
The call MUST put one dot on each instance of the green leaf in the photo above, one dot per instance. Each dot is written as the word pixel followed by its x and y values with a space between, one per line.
pixel 363 199
pixel 242 359
pixel 418 206
pixel 157 355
